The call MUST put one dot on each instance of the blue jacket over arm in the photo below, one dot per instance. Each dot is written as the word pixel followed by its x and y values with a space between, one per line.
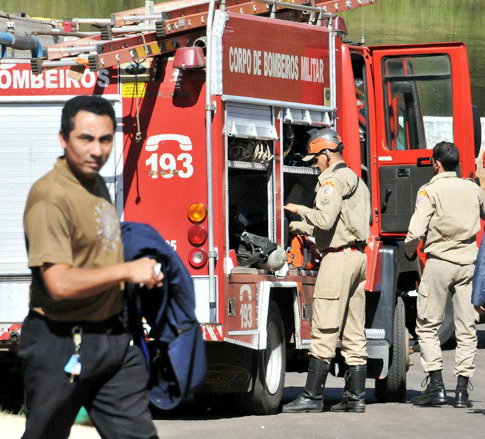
pixel 175 353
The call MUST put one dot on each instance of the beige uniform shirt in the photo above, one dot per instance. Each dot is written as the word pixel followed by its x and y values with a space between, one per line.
pixel 447 218
pixel 341 213
pixel 67 222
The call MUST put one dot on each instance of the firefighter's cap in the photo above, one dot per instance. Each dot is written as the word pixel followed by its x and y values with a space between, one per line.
pixel 325 138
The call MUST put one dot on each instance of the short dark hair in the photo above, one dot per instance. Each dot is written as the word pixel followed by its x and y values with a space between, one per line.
pixel 92 104
pixel 448 154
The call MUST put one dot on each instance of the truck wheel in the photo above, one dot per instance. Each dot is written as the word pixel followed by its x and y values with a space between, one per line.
pixel 268 370
pixel 393 387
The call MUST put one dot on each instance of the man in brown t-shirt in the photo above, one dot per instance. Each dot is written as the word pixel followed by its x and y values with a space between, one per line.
pixel 74 345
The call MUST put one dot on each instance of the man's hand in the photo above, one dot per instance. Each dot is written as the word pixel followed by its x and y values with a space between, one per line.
pixel 301 227
pixel 292 208
pixel 480 309
pixel 411 257
pixel 143 271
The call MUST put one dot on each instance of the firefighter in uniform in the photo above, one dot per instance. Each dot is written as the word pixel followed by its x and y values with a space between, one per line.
pixel 446 218
pixel 339 221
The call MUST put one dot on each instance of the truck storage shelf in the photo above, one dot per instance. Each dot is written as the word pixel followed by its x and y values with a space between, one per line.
pixel 254 166
pixel 300 170
pixel 248 270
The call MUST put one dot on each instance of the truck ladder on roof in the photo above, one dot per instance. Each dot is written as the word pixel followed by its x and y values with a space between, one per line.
pixel 137 33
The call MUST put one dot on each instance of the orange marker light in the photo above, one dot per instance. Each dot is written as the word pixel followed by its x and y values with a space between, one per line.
pixel 197 212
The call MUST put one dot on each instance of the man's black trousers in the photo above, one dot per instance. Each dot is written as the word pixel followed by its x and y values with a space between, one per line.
pixel 111 386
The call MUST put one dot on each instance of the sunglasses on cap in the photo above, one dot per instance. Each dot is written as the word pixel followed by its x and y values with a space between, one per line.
pixel 325 151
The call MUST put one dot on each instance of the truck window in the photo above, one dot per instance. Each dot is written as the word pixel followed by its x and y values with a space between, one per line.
pixel 360 83
pixel 418 101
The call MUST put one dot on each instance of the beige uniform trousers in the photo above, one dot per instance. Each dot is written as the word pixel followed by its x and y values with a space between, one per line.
pixel 339 307
pixel 439 277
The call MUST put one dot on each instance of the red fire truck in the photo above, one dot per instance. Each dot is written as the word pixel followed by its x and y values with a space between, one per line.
pixel 216 102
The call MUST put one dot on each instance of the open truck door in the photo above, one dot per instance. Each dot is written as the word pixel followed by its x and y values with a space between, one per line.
pixel 421 97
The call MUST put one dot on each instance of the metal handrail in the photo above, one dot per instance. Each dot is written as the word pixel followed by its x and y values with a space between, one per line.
pixel 285 5
pixel 208 127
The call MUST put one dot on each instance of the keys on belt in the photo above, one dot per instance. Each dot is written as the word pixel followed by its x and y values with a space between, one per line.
pixel 73 366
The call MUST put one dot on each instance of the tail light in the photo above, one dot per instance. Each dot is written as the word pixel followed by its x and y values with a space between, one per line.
pixel 197 212
pixel 197 257
pixel 197 235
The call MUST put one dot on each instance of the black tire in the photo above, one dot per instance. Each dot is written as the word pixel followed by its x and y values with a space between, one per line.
pixel 393 387
pixel 447 328
pixel 268 370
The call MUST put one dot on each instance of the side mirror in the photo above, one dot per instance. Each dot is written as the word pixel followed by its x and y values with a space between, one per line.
pixel 477 129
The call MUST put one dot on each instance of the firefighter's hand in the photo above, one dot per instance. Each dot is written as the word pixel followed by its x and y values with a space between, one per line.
pixel 145 271
pixel 411 257
pixel 292 208
pixel 293 227
pixel 300 227
pixel 480 309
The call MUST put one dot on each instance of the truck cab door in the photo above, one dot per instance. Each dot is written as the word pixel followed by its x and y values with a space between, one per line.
pixel 422 97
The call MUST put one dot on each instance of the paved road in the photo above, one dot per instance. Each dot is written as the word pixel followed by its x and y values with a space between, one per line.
pixel 380 421
pixel 384 421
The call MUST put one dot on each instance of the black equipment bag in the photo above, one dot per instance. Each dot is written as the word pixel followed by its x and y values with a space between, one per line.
pixel 254 250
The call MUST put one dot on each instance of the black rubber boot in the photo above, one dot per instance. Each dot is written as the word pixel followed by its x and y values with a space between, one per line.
pixel 311 400
pixel 342 405
pixel 435 393
pixel 353 398
pixel 461 393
